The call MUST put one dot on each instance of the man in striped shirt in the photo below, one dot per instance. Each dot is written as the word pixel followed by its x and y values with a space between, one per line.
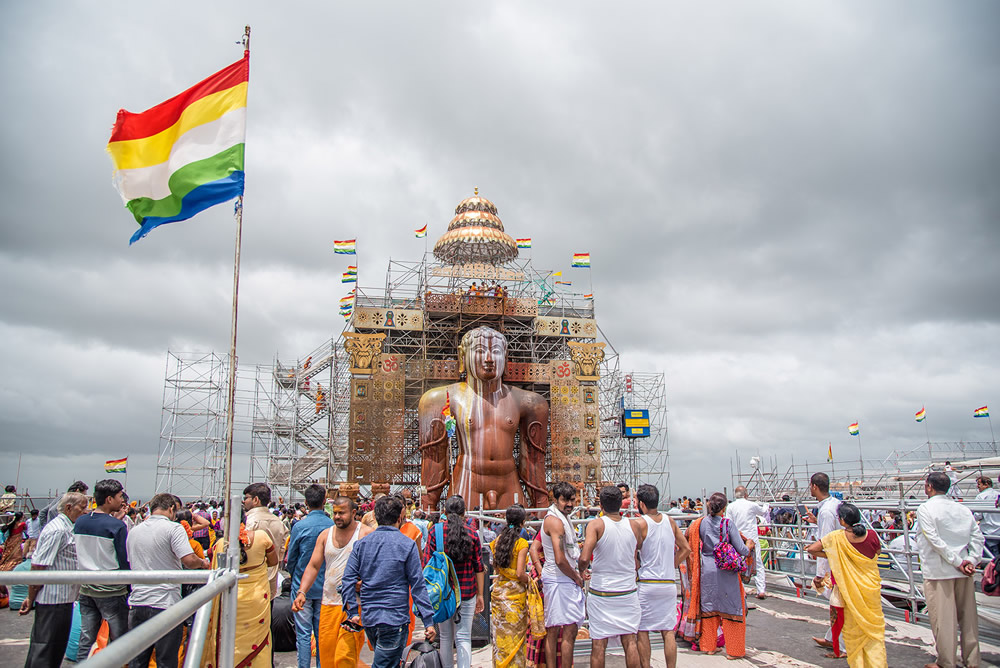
pixel 53 604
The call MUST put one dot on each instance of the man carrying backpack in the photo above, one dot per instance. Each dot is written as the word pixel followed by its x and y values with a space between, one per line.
pixel 388 565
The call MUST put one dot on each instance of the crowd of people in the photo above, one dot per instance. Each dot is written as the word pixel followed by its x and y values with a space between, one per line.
pixel 624 570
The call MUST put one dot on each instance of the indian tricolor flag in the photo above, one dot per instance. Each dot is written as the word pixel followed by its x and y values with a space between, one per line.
pixel 524 243
pixel 853 429
pixel 581 259
pixel 920 415
pixel 184 155
pixel 345 246
pixel 115 465
pixel 421 233
pixel 981 412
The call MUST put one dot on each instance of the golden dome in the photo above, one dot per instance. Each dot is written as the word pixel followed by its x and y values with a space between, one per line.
pixel 475 234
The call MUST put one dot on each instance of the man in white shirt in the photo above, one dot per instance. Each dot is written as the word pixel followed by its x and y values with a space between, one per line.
pixel 744 513
pixel 256 497
pixel 159 544
pixel 950 544
pixel 989 523
pixel 826 521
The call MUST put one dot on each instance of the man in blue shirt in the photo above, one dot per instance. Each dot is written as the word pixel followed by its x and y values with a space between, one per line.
pixel 388 565
pixel 300 549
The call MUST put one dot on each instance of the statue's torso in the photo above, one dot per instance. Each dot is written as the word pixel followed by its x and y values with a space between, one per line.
pixel 485 429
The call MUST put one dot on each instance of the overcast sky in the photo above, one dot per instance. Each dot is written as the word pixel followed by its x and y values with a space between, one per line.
pixel 792 209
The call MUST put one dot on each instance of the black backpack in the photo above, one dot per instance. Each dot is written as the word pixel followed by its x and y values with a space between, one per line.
pixel 427 656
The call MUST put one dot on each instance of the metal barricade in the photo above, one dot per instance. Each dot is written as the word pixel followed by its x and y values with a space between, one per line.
pixel 220 583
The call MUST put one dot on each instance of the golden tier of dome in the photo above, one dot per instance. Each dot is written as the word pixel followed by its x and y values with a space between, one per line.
pixel 475 234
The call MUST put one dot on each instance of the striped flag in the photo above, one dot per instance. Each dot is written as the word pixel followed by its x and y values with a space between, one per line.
pixel 921 415
pixel 348 277
pixel 524 243
pixel 345 246
pixel 590 296
pixel 581 259
pixel 184 155
pixel 421 233
pixel 829 452
pixel 853 429
pixel 564 282
pixel 981 412
pixel 116 465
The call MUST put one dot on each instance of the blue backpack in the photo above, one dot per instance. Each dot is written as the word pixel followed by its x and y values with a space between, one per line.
pixel 441 580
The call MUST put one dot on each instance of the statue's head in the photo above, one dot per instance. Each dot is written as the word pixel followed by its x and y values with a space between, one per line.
pixel 483 353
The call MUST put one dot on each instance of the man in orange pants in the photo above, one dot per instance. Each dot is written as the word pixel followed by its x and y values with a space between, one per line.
pixel 338 648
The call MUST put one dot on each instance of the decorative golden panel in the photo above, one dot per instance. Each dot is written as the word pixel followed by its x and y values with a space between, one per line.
pixel 461 303
pixel 573 419
pixel 526 372
pixel 375 450
pixel 380 318
pixel 581 328
pixel 365 351
pixel 587 358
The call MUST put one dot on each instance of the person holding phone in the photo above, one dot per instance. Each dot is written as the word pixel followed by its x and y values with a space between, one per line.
pixel 387 564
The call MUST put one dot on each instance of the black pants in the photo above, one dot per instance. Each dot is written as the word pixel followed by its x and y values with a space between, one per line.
pixel 166 647
pixel 49 635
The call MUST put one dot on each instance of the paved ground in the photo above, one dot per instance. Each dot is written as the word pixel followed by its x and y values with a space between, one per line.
pixel 778 635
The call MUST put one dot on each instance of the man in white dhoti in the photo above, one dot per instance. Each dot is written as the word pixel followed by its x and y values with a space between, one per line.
pixel 661 547
pixel 826 520
pixel 562 584
pixel 744 513
pixel 609 546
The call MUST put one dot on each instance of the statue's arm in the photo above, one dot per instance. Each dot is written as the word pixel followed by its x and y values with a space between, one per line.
pixel 534 435
pixel 433 445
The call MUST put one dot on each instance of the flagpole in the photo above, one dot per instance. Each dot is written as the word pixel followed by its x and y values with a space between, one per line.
pixel 231 401
pixel 861 457
pixel 988 419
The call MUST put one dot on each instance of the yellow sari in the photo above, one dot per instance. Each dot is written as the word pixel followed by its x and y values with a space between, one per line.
pixel 253 611
pixel 860 587
pixel 509 612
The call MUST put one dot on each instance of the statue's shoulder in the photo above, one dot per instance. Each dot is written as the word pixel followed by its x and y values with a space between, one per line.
pixel 438 394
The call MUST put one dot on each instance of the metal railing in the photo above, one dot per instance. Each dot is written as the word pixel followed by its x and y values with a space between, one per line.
pixel 220 583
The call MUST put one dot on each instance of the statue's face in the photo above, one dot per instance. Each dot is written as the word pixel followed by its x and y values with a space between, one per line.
pixel 486 357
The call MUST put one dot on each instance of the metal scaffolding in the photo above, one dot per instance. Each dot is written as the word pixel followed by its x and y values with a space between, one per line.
pixel 192 451
pixel 872 479
pixel 297 413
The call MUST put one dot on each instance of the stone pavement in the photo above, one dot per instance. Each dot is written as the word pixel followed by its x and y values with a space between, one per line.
pixel 778 635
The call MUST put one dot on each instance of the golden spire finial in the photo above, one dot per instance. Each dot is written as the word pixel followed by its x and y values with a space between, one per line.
pixel 476 191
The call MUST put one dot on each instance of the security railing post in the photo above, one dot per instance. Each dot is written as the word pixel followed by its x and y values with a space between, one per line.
pixel 909 557
pixel 229 599
pixel 199 631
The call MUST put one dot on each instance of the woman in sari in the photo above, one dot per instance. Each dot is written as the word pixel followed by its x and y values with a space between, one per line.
pixel 12 554
pixel 253 610
pixel 509 598
pixel 856 598
pixel 716 596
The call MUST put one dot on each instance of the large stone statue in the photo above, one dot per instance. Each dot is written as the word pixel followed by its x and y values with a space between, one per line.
pixel 487 416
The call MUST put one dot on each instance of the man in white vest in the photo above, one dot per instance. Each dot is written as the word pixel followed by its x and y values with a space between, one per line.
pixel 613 599
pixel 662 547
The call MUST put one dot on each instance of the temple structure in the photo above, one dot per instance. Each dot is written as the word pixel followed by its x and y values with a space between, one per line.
pixel 348 411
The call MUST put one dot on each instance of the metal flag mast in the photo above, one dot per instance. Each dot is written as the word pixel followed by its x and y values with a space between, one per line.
pixel 231 399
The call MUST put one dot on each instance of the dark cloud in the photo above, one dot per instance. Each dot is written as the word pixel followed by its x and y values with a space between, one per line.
pixel 792 209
